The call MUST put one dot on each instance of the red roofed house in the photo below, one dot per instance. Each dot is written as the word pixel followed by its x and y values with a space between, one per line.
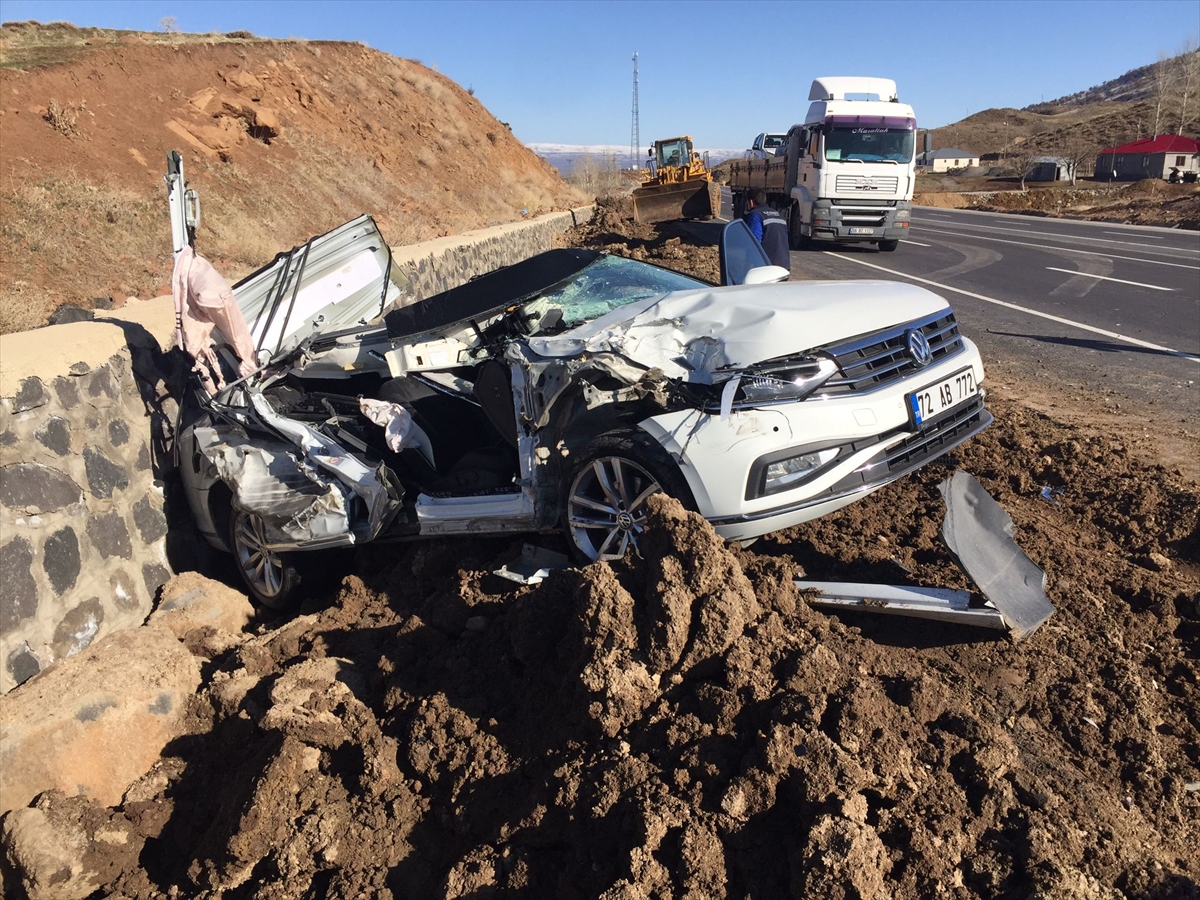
pixel 1149 158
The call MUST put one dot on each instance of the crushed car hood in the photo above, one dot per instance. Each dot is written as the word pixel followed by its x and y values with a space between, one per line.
pixel 691 334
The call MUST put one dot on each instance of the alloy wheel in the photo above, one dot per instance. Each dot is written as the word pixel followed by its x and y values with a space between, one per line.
pixel 261 568
pixel 606 508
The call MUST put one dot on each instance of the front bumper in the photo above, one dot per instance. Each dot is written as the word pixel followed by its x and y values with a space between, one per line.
pixel 838 223
pixel 717 456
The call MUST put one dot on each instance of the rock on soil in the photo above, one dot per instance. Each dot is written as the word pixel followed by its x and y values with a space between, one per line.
pixel 95 722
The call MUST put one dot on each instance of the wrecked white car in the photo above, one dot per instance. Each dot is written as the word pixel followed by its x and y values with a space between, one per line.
pixel 557 394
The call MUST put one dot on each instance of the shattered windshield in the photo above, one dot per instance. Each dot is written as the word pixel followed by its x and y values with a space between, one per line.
pixel 611 282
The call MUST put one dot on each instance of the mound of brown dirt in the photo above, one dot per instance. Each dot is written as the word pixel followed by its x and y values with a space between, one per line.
pixel 669 244
pixel 282 139
pixel 1147 202
pixel 684 724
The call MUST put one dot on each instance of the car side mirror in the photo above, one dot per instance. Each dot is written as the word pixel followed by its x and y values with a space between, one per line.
pixel 766 275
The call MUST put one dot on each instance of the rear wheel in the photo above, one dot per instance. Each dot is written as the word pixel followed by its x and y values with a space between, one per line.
pixel 604 511
pixel 269 575
pixel 888 246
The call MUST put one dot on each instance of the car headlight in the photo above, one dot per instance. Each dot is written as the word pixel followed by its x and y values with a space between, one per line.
pixel 785 383
pixel 903 215
pixel 784 470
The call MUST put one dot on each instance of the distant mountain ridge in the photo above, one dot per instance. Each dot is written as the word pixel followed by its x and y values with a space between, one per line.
pixel 1131 87
pixel 1116 112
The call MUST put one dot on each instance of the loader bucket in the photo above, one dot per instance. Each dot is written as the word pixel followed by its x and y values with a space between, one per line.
pixel 669 202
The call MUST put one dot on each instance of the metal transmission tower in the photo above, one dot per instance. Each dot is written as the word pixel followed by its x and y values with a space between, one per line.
pixel 635 136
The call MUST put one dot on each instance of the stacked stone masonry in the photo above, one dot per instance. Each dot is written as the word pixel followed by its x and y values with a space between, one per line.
pixel 82 529
pixel 85 460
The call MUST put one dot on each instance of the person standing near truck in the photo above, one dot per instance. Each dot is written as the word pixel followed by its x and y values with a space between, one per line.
pixel 770 228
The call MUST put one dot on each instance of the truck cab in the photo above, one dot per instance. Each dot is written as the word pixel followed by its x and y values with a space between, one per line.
pixel 851 163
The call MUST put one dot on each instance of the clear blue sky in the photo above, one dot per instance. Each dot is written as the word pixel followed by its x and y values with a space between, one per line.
pixel 722 71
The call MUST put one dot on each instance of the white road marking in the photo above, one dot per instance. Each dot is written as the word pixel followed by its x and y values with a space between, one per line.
pixel 1153 287
pixel 1144 237
pixel 1032 312
pixel 1079 237
pixel 981 237
pixel 918 243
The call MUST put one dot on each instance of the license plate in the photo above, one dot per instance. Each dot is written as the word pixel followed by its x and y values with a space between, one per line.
pixel 862 230
pixel 933 400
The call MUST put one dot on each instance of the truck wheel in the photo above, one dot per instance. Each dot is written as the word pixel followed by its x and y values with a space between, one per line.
pixel 797 240
pixel 604 505
pixel 888 246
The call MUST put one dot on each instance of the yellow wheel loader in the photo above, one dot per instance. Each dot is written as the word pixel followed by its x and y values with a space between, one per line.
pixel 676 186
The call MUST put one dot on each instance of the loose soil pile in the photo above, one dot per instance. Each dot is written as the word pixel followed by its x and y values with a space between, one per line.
pixel 673 245
pixel 1147 202
pixel 685 724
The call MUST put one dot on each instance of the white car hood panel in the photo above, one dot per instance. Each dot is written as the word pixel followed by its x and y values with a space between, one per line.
pixel 743 324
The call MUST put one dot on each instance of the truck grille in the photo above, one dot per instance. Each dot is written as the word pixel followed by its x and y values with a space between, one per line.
pixel 867 184
pixel 877 360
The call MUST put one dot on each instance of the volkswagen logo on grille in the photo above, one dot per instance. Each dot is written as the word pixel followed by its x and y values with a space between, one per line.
pixel 918 347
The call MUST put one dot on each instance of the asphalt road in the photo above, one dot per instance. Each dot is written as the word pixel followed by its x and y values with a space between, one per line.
pixel 1110 306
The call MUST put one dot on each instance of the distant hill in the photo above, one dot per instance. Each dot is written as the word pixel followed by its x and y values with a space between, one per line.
pixel 283 140
pixel 1110 114
pixel 1131 87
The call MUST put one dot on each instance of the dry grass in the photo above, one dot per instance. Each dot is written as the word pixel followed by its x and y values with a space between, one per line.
pixel 31 44
pixel 109 238
pixel 596 175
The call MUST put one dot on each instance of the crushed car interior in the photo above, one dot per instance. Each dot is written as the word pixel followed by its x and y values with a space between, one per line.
pixel 553 395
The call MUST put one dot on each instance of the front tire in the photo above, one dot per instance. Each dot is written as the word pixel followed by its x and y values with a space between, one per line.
pixel 604 509
pixel 797 240
pixel 889 246
pixel 270 577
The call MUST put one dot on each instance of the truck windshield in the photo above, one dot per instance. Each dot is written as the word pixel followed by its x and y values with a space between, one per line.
pixel 870 142
pixel 772 141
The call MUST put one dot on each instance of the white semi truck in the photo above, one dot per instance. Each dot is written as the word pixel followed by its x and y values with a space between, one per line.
pixel 847 173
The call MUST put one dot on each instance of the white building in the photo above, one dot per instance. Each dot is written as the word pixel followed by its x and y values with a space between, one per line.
pixel 946 159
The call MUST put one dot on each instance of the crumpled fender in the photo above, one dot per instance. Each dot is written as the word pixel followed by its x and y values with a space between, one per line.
pixel 294 502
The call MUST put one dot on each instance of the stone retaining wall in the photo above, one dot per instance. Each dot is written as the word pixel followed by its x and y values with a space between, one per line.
pixel 86 456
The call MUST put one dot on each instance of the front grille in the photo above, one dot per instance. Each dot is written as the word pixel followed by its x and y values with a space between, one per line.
pixel 925 445
pixel 868 184
pixel 876 360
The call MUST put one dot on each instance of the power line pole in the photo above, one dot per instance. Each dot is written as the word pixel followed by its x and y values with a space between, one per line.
pixel 635 137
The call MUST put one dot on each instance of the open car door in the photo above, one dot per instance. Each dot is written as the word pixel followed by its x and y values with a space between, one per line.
pixel 336 281
pixel 743 260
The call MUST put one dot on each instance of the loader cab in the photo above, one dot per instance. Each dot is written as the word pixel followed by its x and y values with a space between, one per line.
pixel 673 152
